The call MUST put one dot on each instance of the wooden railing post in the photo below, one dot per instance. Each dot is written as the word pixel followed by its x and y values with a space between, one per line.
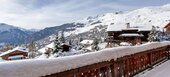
pixel 121 68
pixel 104 71
pixel 117 69
pixel 126 67
pixel 150 59
pixel 112 68
pixel 131 66
pixel 167 52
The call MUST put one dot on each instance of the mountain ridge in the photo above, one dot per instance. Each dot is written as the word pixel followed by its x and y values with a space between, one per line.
pixel 154 15
pixel 12 34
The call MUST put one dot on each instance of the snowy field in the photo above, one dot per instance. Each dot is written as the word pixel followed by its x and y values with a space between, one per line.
pixel 162 70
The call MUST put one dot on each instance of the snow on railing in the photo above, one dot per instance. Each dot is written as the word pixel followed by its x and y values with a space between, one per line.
pixel 42 67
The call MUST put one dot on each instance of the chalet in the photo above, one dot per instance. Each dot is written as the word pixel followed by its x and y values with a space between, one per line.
pixel 16 53
pixel 131 36
pixel 50 47
pixel 126 32
pixel 65 47
pixel 47 49
pixel 167 27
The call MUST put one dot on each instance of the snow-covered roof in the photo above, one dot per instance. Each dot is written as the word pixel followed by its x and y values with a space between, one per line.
pixel 65 44
pixel 42 67
pixel 125 44
pixel 43 50
pixel 131 35
pixel 119 26
pixel 21 49
pixel 15 49
pixel 51 45
pixel 86 42
pixel 166 24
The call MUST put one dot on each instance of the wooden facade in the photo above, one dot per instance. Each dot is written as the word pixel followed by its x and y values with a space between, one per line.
pixel 15 53
pixel 131 36
pixel 167 27
pixel 126 66
pixel 65 47
pixel 114 36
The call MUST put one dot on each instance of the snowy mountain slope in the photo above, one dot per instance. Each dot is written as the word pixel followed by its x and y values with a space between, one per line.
pixel 143 18
pixel 150 15
pixel 84 28
pixel 53 30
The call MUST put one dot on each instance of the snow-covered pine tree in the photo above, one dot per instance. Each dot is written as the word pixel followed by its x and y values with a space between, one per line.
pixel 152 36
pixel 80 39
pixel 57 44
pixel 95 46
pixel 62 38
pixel 70 42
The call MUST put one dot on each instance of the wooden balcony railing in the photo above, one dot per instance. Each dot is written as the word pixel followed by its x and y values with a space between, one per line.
pixel 114 62
pixel 126 66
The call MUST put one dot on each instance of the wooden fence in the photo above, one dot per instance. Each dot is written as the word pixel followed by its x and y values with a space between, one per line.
pixel 126 66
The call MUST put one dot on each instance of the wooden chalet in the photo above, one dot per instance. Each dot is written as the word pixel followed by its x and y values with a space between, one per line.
pixel 50 48
pixel 117 32
pixel 131 36
pixel 16 53
pixel 65 47
pixel 167 27
pixel 124 32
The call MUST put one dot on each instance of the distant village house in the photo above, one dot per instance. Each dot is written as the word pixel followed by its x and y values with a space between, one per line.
pixel 65 47
pixel 167 27
pixel 14 54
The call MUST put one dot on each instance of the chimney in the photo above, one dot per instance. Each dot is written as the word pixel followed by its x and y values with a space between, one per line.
pixel 128 25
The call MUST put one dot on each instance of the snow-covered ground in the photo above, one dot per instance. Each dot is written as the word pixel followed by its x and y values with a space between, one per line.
pixel 162 70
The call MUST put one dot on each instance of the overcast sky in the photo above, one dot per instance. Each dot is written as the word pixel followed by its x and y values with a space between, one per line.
pixel 45 13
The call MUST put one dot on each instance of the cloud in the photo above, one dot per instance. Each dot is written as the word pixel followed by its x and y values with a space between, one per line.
pixel 16 13
pixel 118 6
